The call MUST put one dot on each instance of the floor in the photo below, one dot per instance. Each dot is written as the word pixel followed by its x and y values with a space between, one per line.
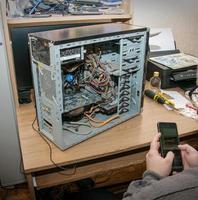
pixel 19 192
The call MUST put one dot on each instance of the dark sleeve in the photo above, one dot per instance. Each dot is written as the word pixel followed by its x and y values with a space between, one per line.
pixel 183 185
pixel 135 188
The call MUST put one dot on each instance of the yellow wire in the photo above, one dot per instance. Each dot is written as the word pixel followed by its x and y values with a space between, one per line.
pixel 92 119
pixel 91 112
pixel 92 109
pixel 104 122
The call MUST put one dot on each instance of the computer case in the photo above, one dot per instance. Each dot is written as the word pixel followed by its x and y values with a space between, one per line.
pixel 87 79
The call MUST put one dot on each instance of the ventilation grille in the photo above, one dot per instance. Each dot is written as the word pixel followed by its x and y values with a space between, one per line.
pixel 48 86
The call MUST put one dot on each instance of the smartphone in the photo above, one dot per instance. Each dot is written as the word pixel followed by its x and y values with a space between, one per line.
pixel 169 141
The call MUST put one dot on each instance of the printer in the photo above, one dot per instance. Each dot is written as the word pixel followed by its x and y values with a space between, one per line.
pixel 184 76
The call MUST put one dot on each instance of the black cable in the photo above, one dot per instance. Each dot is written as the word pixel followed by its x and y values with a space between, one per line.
pixel 192 91
pixel 50 149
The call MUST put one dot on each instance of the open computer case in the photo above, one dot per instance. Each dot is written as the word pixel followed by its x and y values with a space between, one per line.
pixel 87 79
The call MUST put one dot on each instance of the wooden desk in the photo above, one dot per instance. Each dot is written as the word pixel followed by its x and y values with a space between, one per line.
pixel 118 153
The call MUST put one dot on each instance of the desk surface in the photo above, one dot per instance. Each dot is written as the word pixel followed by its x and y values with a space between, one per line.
pixel 133 134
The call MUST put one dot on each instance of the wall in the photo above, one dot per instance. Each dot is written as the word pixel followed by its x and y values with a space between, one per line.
pixel 10 158
pixel 180 15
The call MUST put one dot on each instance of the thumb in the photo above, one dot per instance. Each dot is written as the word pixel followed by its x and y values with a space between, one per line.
pixel 169 156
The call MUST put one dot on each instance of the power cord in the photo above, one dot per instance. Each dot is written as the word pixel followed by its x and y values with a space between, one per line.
pixel 50 150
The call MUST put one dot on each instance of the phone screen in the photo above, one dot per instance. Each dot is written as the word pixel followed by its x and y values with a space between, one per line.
pixel 169 135
pixel 169 141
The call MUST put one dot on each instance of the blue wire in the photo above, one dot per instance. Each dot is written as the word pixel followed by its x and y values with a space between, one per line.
pixel 37 4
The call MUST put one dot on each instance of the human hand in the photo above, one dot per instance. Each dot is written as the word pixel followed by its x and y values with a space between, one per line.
pixel 189 156
pixel 155 162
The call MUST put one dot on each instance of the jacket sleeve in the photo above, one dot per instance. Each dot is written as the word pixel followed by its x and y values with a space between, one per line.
pixel 134 191
pixel 183 185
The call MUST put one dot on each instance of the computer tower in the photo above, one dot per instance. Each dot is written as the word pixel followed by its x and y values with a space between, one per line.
pixel 87 79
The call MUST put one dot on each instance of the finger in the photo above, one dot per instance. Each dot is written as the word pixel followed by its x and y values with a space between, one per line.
pixel 169 156
pixel 183 146
pixel 186 147
pixel 153 152
pixel 157 149
pixel 185 162
pixel 174 172
pixel 158 145
pixel 183 156
pixel 154 144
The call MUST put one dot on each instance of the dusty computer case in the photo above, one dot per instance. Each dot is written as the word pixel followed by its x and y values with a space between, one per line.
pixel 87 79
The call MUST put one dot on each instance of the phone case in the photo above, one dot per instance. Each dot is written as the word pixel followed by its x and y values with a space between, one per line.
pixel 169 141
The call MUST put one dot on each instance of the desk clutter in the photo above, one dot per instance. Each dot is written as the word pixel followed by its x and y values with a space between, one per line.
pixel 168 68
pixel 186 104
pixel 46 8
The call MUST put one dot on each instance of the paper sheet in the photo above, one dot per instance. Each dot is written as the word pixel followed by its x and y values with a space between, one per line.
pixel 179 100
pixel 161 39
pixel 181 103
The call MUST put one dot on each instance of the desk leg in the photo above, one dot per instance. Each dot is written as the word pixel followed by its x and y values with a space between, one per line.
pixel 31 186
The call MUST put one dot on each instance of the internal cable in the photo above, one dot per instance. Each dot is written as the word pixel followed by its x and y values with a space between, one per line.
pixel 76 132
pixel 65 127
pixel 89 114
pixel 102 123
pixel 92 119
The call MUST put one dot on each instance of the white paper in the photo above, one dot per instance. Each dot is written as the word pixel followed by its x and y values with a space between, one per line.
pixel 179 100
pixel 161 39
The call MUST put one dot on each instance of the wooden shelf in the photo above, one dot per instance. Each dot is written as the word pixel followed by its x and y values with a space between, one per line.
pixel 59 19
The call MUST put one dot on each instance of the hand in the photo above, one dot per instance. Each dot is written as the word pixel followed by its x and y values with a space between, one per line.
pixel 189 156
pixel 155 162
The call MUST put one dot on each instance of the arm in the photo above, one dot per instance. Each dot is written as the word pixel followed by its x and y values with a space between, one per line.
pixel 183 185
pixel 157 168
pixel 135 189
